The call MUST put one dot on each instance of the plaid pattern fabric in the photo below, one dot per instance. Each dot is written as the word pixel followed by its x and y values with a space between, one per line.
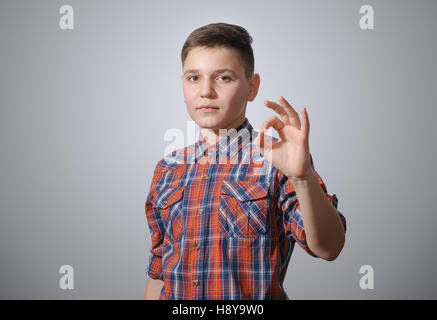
pixel 223 221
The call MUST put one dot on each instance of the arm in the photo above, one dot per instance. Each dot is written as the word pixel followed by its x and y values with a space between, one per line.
pixel 324 230
pixel 153 289
pixel 154 283
pixel 323 226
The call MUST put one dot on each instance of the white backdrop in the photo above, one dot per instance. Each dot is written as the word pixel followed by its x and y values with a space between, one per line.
pixel 84 113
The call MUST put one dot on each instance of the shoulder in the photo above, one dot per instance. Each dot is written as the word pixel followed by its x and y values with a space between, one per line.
pixel 177 158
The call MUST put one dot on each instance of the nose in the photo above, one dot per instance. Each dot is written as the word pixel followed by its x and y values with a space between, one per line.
pixel 206 88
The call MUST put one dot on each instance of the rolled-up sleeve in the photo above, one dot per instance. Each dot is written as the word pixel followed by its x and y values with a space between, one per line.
pixel 288 205
pixel 156 227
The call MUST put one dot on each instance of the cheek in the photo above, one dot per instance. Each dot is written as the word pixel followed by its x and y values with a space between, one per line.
pixel 189 94
pixel 235 95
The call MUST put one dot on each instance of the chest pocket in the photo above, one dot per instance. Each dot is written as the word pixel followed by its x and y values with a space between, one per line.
pixel 243 209
pixel 170 203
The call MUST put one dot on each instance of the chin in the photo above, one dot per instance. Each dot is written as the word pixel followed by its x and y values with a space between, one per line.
pixel 209 123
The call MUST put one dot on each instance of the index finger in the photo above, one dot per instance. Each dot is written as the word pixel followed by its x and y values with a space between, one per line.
pixel 280 110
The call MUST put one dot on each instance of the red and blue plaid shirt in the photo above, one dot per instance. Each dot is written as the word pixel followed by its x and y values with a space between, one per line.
pixel 223 221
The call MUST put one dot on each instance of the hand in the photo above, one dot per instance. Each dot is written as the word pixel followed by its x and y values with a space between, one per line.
pixel 290 154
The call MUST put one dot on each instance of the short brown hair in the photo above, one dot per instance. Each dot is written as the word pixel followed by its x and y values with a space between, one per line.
pixel 222 35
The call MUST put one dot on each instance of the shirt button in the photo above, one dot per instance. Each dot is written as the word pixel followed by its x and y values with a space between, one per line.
pixel 206 177
pixel 200 210
pixel 196 282
pixel 197 245
pixel 164 202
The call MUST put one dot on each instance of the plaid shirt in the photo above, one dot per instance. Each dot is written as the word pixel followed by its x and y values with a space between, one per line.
pixel 223 221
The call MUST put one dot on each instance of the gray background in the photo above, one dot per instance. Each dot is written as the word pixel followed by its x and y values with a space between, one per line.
pixel 84 112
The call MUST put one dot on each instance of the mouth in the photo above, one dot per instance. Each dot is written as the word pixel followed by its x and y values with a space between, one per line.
pixel 207 108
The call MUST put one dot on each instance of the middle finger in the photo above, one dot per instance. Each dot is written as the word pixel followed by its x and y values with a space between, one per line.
pixel 292 114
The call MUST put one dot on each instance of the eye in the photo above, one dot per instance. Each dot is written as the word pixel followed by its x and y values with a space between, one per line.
pixel 190 78
pixel 225 78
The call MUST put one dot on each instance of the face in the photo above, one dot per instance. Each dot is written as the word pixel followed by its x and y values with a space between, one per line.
pixel 215 77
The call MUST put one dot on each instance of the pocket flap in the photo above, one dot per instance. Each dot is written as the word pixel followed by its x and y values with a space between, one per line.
pixel 169 197
pixel 245 190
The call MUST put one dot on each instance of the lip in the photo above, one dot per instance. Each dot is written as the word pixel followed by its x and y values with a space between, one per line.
pixel 207 108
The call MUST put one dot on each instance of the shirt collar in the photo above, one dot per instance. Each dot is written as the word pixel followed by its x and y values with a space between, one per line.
pixel 230 144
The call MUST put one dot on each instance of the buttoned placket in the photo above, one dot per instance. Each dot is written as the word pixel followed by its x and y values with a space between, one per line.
pixel 205 163
pixel 203 220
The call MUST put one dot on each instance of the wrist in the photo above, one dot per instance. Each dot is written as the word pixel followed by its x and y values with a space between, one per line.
pixel 307 177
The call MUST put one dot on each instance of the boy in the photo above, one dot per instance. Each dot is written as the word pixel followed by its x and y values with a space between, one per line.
pixel 225 213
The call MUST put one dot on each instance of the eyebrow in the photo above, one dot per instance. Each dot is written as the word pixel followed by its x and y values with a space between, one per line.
pixel 215 71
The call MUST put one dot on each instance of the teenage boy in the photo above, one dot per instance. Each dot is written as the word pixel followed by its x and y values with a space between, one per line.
pixel 225 213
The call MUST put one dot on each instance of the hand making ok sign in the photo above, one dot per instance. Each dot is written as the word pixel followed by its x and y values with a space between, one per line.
pixel 290 154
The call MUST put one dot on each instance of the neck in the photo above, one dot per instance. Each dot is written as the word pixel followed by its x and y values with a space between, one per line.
pixel 214 135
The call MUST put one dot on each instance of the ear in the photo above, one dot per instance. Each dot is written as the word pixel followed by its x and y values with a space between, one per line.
pixel 253 86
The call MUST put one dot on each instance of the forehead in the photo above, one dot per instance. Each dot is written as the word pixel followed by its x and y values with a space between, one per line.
pixel 204 58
